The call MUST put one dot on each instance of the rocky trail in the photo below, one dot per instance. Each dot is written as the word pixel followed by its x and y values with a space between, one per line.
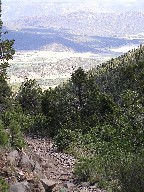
pixel 41 168
pixel 58 167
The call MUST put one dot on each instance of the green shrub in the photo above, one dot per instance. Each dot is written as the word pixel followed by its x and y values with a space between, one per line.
pixel 64 138
pixel 29 96
pixel 4 187
pixel 26 121
pixel 16 135
pixel 35 124
pixel 112 168
pixel 130 173
pixel 3 135
pixel 40 125
pixel 89 169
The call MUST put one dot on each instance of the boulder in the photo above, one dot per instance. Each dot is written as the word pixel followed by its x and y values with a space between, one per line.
pixel 45 165
pixel 12 157
pixel 37 167
pixel 41 187
pixel 48 184
pixel 11 160
pixel 14 153
pixel 27 163
pixel 69 185
pixel 39 175
pixel 20 187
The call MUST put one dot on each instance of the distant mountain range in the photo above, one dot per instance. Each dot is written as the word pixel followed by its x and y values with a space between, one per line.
pixel 92 26
pixel 59 40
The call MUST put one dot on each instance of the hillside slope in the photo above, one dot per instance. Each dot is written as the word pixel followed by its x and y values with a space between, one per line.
pixel 122 73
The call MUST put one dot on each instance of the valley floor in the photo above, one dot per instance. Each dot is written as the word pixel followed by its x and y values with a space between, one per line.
pixel 50 68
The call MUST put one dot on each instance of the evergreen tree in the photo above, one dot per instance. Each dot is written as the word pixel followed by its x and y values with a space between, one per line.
pixel 3 134
pixel 6 53
pixel 29 96
pixel 79 79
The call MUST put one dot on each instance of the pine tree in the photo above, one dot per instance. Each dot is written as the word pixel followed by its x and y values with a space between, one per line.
pixel 78 79
pixel 6 53
pixel 29 96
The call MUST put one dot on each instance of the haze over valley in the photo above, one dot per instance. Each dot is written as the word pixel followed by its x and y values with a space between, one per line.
pixel 52 38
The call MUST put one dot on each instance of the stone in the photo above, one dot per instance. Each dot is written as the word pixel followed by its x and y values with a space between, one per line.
pixel 14 153
pixel 41 187
pixel 85 184
pixel 37 166
pixel 21 173
pixel 98 190
pixel 11 160
pixel 84 190
pixel 63 190
pixel 20 187
pixel 48 184
pixel 12 157
pixel 36 157
pixel 40 175
pixel 45 165
pixel 69 185
pixel 26 162
pixel 95 186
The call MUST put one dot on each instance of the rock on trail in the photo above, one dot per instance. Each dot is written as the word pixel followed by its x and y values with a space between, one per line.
pixel 57 167
pixel 41 168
